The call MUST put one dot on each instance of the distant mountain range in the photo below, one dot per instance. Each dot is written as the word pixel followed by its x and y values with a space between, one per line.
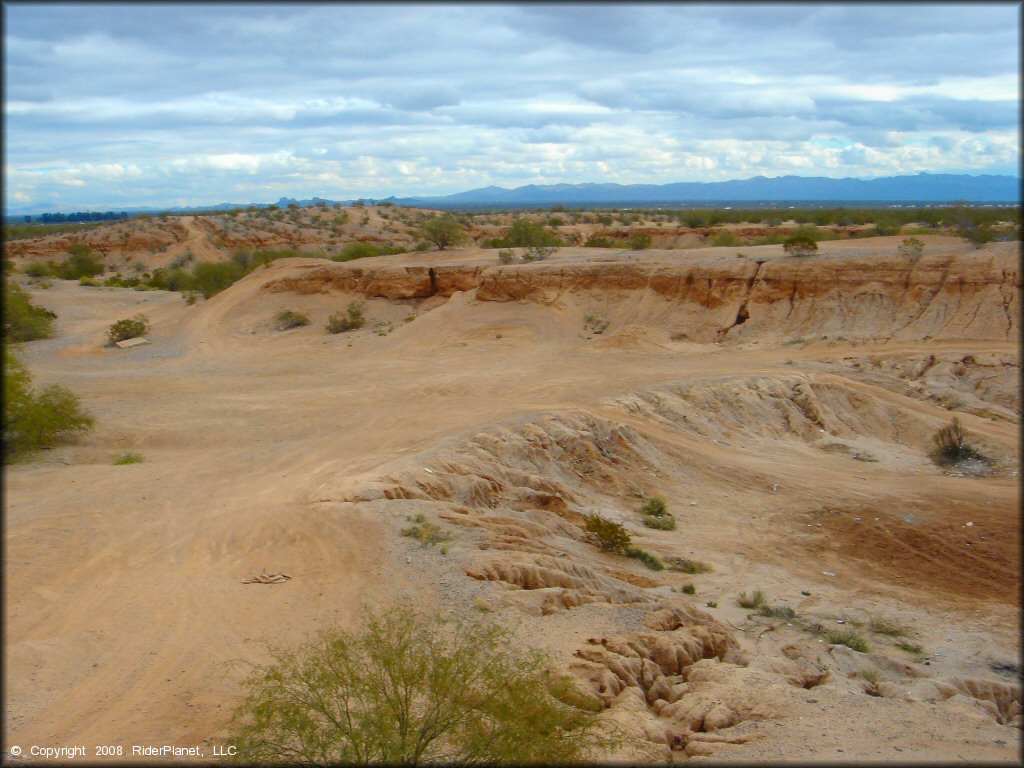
pixel 920 188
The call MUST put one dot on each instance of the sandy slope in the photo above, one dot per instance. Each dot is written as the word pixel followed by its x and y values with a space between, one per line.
pixel 494 410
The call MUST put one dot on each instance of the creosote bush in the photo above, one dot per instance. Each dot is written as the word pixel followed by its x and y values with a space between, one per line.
pixel 23 320
pixel 800 245
pixel 611 536
pixel 129 458
pixel 409 690
pixel 128 328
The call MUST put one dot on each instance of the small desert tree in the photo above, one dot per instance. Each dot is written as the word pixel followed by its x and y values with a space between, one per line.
pixel 410 690
pixel 37 418
pixel 444 232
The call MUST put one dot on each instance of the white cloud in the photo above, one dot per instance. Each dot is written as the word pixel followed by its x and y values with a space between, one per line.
pixel 353 100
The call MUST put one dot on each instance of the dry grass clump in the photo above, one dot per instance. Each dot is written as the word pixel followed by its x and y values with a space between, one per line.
pixel 129 458
pixel 754 600
pixel 288 318
pixel 650 560
pixel 685 565
pixel 662 523
pixel 951 444
pixel 883 626
pixel 352 319
pixel 849 638
pixel 777 611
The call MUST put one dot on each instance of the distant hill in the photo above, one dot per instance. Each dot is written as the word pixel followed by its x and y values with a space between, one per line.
pixel 922 188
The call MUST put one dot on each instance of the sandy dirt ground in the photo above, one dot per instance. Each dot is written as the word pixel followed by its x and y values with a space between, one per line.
pixel 794 461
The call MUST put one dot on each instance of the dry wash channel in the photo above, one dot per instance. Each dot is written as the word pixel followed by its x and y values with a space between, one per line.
pixel 783 408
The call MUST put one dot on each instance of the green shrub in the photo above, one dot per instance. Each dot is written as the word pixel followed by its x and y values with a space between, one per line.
pixel 39 269
pixel 525 233
pixel 651 561
pixel 128 328
pixel 660 522
pixel 350 321
pixel 655 506
pixel 409 690
pixel 23 320
pixel 357 250
pixel 116 281
pixel 800 245
pixel 211 277
pixel 755 600
pixel 599 241
pixel 849 638
pixel 129 458
pixel 90 282
pixel 37 419
pixel 689 589
pixel 287 319
pixel 726 238
pixel 167 279
pixel 778 611
pixel 640 242
pixel 611 536
pixel 506 256
pixel 711 604
pixel 81 262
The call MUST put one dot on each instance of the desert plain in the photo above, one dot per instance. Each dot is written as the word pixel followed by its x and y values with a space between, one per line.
pixel 783 407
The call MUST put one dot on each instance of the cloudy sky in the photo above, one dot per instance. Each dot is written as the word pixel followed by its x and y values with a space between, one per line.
pixel 164 104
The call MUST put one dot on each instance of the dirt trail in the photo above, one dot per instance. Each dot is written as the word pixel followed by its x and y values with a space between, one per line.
pixel 304 453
